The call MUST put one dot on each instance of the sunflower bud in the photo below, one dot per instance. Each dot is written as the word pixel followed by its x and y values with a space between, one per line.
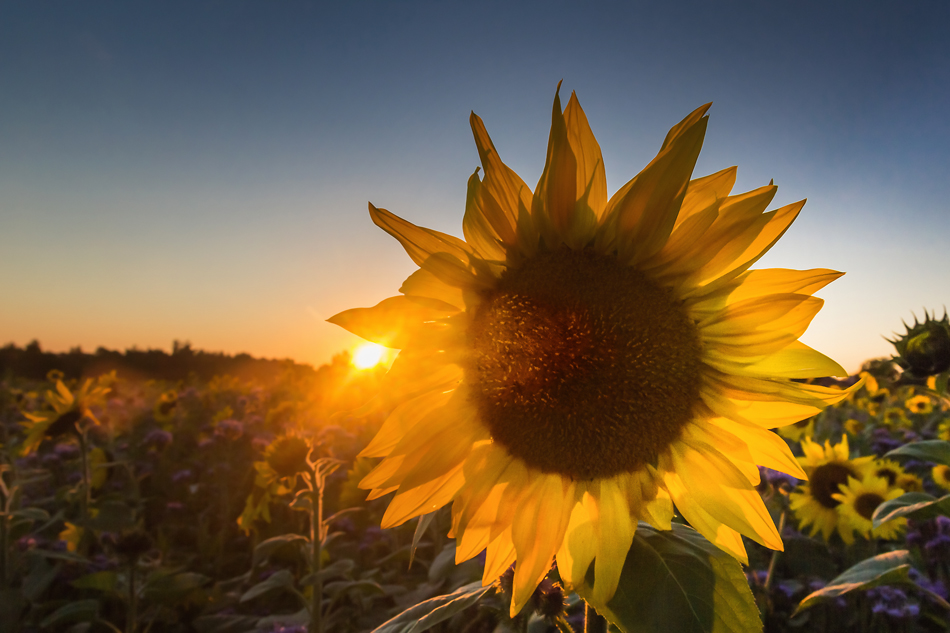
pixel 924 349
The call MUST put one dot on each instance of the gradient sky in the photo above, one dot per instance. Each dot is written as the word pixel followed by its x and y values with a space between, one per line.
pixel 200 170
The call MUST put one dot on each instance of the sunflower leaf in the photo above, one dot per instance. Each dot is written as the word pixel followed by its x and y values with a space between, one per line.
pixel 678 581
pixel 937 451
pixel 427 614
pixel 890 568
pixel 913 505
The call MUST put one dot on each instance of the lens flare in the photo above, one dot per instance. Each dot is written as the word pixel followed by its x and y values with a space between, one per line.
pixel 368 355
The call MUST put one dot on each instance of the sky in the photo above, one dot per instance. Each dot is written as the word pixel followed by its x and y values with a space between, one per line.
pixel 200 171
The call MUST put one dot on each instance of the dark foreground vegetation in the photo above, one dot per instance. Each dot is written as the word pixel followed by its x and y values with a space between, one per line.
pixel 146 491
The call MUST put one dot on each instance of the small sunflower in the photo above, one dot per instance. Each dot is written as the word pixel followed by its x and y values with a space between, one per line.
pixel 853 426
pixel 941 476
pixel 895 418
pixel 858 500
pixel 67 409
pixel 909 482
pixel 888 469
pixel 287 455
pixel 919 404
pixel 828 468
pixel 578 363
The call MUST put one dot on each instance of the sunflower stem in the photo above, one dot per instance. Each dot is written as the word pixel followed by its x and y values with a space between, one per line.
pixel 774 561
pixel 316 550
pixel 84 499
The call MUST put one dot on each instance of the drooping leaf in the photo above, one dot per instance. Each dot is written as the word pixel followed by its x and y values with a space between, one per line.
pixel 913 505
pixel 937 451
pixel 890 568
pixel 678 581
pixel 173 588
pixel 78 611
pixel 341 567
pixel 424 521
pixel 282 579
pixel 427 614
pixel 267 548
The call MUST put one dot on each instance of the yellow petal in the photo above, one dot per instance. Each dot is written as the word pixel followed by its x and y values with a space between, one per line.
pixel 393 321
pixel 403 418
pixel 615 531
pixel 422 500
pixel 579 546
pixel 420 243
pixel 507 191
pixel 591 178
pixel 498 557
pixel 423 283
pixel 642 214
pixel 537 532
pixel 702 193
pixel 553 208
pixel 482 216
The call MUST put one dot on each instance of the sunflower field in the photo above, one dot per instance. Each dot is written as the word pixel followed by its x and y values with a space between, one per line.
pixel 233 506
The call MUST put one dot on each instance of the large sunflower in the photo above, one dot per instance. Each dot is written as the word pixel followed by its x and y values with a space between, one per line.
pixel 580 363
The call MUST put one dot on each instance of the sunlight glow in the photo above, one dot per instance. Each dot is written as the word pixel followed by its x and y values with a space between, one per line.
pixel 368 355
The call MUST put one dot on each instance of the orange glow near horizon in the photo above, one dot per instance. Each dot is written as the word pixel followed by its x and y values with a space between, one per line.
pixel 368 355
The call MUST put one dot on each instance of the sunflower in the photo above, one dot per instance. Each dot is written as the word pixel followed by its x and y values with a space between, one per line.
pixel 66 410
pixel 828 468
pixel 909 482
pixel 919 404
pixel 889 470
pixel 941 475
pixel 578 364
pixel 858 500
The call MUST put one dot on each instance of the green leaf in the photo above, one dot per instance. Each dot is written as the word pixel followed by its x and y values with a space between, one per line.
pixel 39 578
pixel 267 548
pixel 678 581
pixel 890 568
pixel 170 588
pixel 936 451
pixel 424 521
pixel 280 580
pixel 339 568
pixel 31 514
pixel 100 580
pixel 913 505
pixel 427 614
pixel 78 611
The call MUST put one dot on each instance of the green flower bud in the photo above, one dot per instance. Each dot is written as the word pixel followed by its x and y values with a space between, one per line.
pixel 924 350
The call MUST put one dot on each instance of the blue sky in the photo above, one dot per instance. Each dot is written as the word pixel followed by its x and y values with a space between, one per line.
pixel 200 170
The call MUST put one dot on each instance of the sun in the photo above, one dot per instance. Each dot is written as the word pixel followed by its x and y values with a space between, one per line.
pixel 368 355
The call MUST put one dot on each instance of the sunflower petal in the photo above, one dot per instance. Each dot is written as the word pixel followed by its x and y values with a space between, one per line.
pixel 537 532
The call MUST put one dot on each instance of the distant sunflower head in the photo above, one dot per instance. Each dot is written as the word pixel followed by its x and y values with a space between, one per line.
pixel 888 470
pixel 287 455
pixel 66 410
pixel 858 500
pixel 828 467
pixel 581 362
pixel 941 475
pixel 921 404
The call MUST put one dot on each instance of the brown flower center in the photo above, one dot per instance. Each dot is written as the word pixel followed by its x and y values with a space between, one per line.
pixel 867 503
pixel 825 481
pixel 582 366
